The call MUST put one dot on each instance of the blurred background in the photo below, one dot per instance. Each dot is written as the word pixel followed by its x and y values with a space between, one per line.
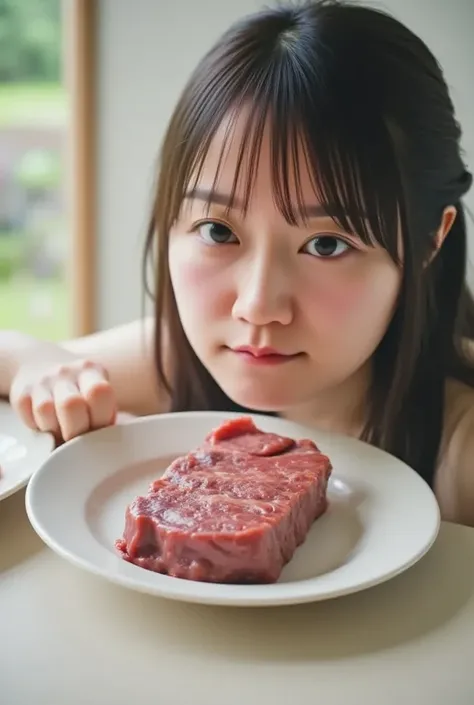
pixel 143 53
pixel 34 235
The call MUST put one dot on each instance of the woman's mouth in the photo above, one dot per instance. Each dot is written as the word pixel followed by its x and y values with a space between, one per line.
pixel 263 356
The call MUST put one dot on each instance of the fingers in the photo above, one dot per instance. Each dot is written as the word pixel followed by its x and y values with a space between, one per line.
pixel 71 408
pixel 68 402
pixel 24 406
pixel 43 409
pixel 99 397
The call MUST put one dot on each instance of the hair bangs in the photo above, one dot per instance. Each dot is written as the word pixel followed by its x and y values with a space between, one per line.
pixel 248 95
pixel 354 179
pixel 346 150
pixel 361 199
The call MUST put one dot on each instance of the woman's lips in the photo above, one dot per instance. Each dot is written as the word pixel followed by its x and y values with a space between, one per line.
pixel 263 356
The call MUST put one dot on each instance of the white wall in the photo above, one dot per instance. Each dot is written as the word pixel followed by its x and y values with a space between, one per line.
pixel 147 48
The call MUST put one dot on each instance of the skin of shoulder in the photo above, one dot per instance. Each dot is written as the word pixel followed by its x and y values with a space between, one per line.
pixel 454 484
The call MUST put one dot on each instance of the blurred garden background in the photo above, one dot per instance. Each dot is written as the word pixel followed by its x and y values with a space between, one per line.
pixel 34 238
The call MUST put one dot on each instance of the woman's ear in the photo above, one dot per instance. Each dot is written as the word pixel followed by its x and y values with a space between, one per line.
pixel 447 220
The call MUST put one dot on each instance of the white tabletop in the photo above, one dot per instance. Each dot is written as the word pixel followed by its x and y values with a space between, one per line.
pixel 70 638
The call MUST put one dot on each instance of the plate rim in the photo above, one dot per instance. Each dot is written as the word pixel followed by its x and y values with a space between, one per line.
pixel 223 596
pixel 49 442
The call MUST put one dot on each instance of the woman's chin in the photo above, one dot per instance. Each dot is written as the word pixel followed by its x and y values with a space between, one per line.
pixel 270 400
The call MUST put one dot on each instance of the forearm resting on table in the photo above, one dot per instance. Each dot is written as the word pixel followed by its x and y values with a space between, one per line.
pixel 16 349
pixel 125 352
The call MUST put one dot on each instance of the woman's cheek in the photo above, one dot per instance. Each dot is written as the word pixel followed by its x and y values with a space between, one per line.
pixel 342 300
pixel 336 297
pixel 197 281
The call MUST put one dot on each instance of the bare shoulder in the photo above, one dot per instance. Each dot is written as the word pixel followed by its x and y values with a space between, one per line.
pixel 459 400
pixel 455 475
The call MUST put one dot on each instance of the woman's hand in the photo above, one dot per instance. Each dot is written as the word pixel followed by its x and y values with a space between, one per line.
pixel 68 398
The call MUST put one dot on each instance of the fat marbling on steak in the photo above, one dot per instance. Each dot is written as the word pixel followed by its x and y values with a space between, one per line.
pixel 232 511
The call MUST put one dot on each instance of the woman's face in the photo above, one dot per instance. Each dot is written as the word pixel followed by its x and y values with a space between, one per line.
pixel 278 314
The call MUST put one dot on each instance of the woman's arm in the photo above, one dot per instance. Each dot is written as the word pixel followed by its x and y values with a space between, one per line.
pixel 127 353
pixel 112 369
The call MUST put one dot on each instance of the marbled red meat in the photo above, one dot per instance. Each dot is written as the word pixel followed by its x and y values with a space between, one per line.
pixel 232 511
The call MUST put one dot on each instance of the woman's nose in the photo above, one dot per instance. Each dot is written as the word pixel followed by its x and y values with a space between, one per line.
pixel 264 294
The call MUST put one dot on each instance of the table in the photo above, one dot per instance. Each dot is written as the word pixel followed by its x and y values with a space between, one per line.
pixel 70 638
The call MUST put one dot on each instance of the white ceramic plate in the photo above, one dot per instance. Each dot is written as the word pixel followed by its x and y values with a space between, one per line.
pixel 22 451
pixel 382 516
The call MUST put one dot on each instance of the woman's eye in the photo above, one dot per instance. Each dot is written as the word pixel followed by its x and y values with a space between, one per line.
pixel 216 233
pixel 326 246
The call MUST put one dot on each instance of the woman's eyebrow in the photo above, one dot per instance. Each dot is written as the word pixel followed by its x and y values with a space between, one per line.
pixel 224 199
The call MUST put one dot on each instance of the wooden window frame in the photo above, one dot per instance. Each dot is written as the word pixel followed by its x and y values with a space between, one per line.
pixel 79 22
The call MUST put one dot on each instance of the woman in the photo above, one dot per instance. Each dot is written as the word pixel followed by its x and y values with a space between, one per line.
pixel 311 252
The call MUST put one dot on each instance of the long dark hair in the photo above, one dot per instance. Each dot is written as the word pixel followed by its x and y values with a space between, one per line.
pixel 368 102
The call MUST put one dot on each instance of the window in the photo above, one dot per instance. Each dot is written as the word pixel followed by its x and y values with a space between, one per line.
pixel 45 167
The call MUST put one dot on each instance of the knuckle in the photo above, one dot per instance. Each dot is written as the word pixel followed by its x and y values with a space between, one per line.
pixel 45 379
pixel 45 406
pixel 71 405
pixel 99 392
pixel 47 425
pixel 91 365
pixel 88 364
pixel 21 398
pixel 26 416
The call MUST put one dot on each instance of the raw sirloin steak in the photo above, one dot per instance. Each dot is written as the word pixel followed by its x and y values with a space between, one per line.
pixel 232 511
